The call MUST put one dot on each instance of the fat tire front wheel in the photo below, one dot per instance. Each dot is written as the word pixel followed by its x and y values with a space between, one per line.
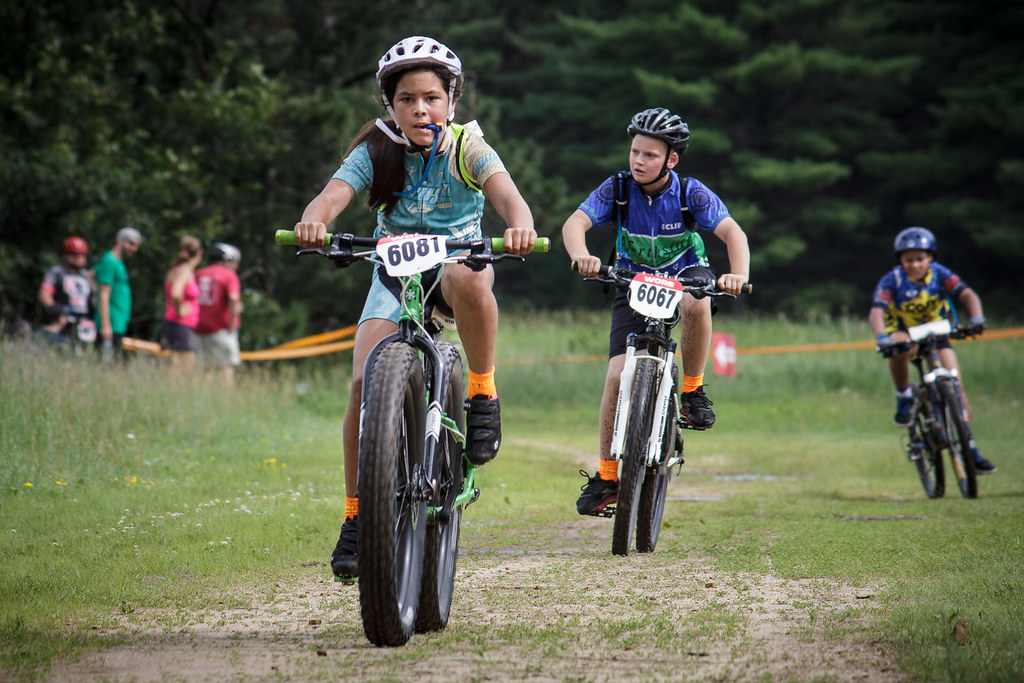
pixel 634 456
pixel 442 544
pixel 392 509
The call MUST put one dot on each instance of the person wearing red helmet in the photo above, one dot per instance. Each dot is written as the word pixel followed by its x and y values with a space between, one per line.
pixel 69 285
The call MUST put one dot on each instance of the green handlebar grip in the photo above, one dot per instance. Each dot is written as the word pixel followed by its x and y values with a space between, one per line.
pixel 287 238
pixel 541 244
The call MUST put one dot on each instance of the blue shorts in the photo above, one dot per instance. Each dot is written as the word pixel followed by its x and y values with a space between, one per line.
pixel 382 301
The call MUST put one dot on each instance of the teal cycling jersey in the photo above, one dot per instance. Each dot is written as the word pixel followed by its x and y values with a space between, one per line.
pixel 443 203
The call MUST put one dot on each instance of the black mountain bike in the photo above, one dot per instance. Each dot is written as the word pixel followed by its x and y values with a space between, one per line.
pixel 414 479
pixel 938 425
pixel 647 436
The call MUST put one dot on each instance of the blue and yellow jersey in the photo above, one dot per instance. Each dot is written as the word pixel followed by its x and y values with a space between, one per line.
pixel 909 302
pixel 654 236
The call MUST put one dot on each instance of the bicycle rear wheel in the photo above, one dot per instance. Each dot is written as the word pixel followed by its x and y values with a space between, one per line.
pixel 392 505
pixel 634 456
pixel 442 544
pixel 958 439
pixel 928 456
pixel 657 478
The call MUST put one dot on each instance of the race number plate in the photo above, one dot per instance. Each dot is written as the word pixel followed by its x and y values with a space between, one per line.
pixel 411 254
pixel 653 296
pixel 86 330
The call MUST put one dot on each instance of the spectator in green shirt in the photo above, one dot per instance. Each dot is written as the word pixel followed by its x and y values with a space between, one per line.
pixel 114 293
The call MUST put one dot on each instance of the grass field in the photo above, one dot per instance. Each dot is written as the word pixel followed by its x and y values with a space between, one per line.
pixel 138 509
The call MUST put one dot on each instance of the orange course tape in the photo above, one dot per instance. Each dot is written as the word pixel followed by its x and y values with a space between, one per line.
pixel 314 345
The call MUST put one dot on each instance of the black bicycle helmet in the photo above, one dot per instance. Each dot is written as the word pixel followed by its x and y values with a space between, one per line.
pixel 914 238
pixel 662 124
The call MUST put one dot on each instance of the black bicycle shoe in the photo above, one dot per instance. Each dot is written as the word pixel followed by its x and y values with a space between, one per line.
pixel 695 409
pixel 597 494
pixel 483 427
pixel 344 560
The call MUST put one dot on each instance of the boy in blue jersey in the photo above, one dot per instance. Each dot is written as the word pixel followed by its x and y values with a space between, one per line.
pixel 917 291
pixel 653 236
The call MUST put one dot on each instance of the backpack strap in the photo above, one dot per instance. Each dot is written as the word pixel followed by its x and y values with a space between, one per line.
pixel 688 220
pixel 620 209
pixel 460 138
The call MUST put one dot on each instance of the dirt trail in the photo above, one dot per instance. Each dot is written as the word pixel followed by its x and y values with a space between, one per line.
pixel 520 615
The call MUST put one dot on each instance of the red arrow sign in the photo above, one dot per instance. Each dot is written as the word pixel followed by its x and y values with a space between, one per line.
pixel 723 354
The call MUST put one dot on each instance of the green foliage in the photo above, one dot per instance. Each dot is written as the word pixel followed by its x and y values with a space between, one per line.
pixel 824 126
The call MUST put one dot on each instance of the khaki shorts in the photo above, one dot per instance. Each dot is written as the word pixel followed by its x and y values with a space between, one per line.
pixel 220 349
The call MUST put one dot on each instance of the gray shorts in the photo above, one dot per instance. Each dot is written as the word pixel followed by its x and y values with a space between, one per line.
pixel 220 349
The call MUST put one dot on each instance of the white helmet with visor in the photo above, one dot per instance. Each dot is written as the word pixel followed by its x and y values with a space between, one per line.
pixel 420 51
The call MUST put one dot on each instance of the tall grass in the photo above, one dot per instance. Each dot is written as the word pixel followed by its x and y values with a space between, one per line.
pixel 131 487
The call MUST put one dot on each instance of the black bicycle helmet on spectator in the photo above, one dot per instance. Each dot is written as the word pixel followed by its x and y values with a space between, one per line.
pixel 662 124
pixel 914 238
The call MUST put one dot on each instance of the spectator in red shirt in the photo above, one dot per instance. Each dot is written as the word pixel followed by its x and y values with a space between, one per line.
pixel 220 310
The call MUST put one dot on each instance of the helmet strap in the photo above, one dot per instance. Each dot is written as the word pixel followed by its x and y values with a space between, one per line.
pixel 399 137
pixel 664 172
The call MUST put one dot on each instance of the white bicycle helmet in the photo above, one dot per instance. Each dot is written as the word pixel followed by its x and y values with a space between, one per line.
pixel 420 51
pixel 222 251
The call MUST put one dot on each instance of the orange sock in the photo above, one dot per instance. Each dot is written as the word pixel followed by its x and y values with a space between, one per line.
pixel 351 507
pixel 608 470
pixel 691 383
pixel 481 384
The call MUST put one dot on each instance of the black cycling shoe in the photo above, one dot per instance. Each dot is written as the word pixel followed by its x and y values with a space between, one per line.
pixel 483 429
pixel 597 495
pixel 695 409
pixel 344 559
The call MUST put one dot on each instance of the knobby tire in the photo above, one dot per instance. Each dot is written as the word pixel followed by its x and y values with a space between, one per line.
pixel 958 439
pixel 657 478
pixel 634 456
pixel 392 517
pixel 929 465
pixel 442 543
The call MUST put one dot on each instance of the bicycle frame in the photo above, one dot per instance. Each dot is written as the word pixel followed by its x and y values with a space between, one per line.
pixel 939 420
pixel 656 336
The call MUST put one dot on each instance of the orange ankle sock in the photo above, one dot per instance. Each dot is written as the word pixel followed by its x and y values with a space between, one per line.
pixel 351 507
pixel 691 383
pixel 608 470
pixel 481 384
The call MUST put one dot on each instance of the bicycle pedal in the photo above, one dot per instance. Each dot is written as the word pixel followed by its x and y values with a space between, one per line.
pixel 347 580
pixel 607 512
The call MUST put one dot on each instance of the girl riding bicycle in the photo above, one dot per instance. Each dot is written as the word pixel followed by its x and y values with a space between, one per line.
pixel 919 290
pixel 423 174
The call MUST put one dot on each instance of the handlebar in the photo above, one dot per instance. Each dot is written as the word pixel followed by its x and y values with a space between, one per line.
pixel 890 349
pixel 622 277
pixel 497 244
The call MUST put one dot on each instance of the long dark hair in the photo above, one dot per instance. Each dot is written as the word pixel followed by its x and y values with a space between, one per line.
pixel 386 156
